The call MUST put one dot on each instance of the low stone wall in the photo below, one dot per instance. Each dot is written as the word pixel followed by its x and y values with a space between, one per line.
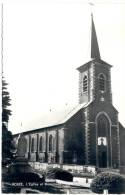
pixel 78 168
pixel 77 181
pixel 71 168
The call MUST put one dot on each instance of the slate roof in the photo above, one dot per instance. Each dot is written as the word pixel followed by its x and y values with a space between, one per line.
pixel 53 118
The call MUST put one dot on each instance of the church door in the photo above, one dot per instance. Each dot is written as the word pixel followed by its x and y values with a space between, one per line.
pixel 103 159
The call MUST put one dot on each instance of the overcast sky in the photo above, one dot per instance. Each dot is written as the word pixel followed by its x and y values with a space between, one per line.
pixel 44 43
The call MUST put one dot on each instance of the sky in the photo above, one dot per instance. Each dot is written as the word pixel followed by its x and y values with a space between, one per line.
pixel 43 44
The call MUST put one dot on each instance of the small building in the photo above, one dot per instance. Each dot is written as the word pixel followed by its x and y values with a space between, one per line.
pixel 90 133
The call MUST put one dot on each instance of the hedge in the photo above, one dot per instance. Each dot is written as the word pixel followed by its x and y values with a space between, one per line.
pixel 113 182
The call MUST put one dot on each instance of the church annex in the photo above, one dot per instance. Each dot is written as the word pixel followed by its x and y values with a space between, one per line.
pixel 89 134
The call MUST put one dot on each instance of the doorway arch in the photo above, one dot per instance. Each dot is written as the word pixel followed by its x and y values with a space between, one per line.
pixel 103 137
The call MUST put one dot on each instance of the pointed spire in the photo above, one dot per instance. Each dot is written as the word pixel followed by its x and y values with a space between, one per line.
pixel 95 54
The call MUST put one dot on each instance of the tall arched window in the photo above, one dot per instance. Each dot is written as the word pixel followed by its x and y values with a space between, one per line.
pixel 103 126
pixel 101 82
pixel 50 143
pixel 85 83
pixel 32 145
pixel 41 144
pixel 22 146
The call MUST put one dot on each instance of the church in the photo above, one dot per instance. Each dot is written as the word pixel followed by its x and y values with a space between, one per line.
pixel 90 134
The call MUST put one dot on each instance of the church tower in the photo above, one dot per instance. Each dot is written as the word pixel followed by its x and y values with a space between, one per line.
pixel 94 76
pixel 100 124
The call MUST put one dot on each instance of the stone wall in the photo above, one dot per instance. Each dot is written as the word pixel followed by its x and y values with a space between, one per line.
pixel 72 168
pixel 122 146
pixel 29 145
pixel 74 139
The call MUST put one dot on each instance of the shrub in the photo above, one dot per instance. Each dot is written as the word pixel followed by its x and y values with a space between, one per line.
pixel 63 175
pixel 57 173
pixel 113 182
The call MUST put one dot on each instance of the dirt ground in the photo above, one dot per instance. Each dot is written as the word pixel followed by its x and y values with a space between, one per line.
pixel 50 188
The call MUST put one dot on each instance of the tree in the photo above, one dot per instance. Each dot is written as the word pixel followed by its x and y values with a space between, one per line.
pixel 5 102
pixel 7 139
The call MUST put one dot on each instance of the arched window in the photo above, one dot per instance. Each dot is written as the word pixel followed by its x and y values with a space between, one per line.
pixel 50 143
pixel 85 84
pixel 101 82
pixel 41 144
pixel 32 145
pixel 22 146
pixel 103 126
